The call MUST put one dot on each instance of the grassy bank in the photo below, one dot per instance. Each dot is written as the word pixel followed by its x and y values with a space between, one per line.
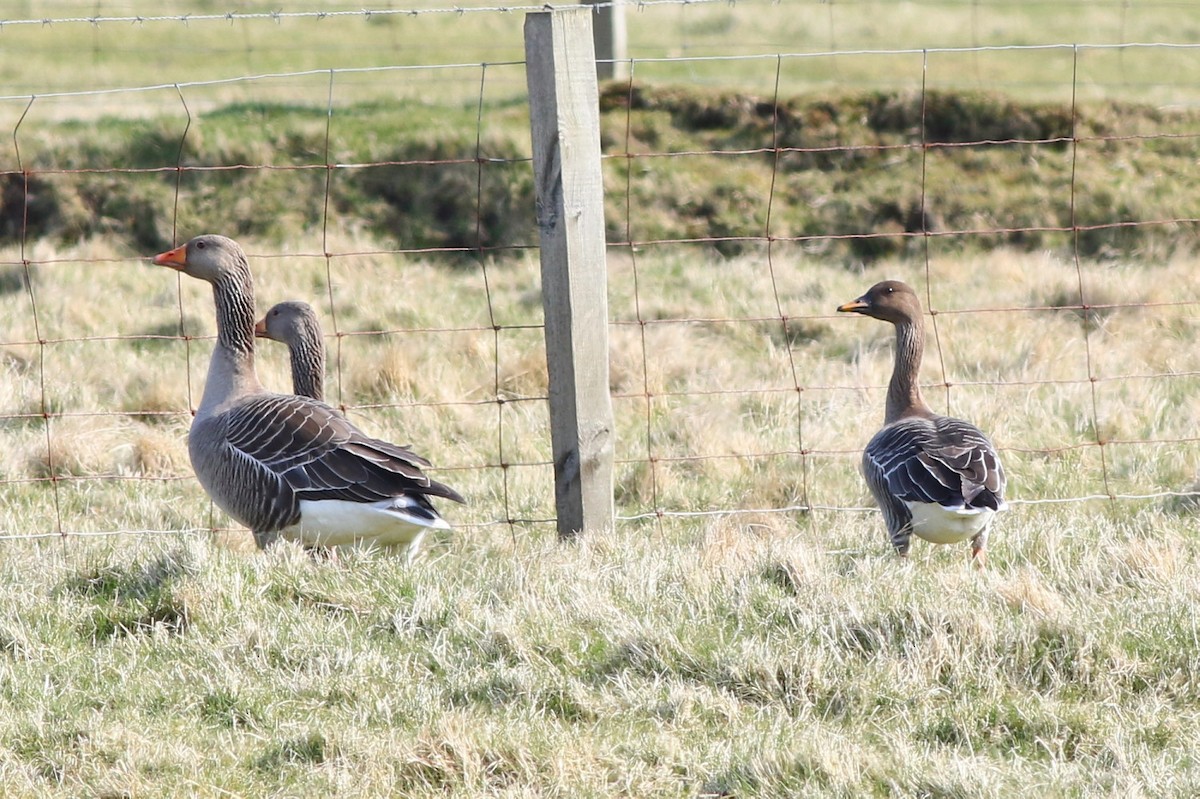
pixel 752 657
pixel 853 176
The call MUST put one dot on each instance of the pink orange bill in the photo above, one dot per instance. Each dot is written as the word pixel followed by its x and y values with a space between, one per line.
pixel 176 258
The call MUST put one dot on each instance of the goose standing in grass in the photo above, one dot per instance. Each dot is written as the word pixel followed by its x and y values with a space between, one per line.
pixel 289 466
pixel 932 475
pixel 294 323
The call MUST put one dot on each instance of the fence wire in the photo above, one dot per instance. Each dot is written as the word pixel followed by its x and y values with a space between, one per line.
pixel 89 460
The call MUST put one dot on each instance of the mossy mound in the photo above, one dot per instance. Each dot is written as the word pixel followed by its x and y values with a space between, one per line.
pixel 854 176
pixel 869 174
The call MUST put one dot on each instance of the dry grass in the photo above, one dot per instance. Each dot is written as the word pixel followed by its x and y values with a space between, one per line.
pixel 738 645
pixel 733 657
pixel 737 653
pixel 708 412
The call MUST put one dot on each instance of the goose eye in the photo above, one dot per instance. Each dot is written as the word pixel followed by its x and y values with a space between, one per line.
pixel 200 245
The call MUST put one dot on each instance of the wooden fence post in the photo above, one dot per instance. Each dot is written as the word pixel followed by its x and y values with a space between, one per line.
pixel 610 39
pixel 564 112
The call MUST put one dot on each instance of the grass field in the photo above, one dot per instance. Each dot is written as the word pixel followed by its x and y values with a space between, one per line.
pixel 756 639
pixel 745 654
pixel 753 657
pixel 80 56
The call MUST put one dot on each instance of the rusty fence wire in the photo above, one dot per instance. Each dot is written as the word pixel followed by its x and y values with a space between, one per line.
pixel 439 336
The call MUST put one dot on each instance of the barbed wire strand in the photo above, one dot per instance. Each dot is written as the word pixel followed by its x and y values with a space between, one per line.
pixel 278 16
pixel 926 240
pixel 652 464
pixel 183 332
pixel 338 369
pixel 365 13
pixel 481 257
pixel 179 172
pixel 1078 263
pixel 51 466
pixel 291 74
pixel 785 328
pixel 677 514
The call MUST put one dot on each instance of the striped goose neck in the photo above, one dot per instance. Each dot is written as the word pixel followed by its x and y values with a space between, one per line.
pixel 308 366
pixel 231 372
pixel 904 391
pixel 233 293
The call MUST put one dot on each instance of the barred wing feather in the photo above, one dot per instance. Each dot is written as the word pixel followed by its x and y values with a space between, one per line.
pixel 943 461
pixel 320 455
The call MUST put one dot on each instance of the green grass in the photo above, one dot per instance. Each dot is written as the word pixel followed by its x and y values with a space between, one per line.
pixel 47 58
pixel 729 657
pixel 767 653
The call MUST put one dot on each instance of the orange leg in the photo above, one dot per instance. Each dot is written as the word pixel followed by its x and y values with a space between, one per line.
pixel 978 551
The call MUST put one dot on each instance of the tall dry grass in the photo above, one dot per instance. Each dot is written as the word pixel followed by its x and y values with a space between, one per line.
pixel 737 645
pixel 736 384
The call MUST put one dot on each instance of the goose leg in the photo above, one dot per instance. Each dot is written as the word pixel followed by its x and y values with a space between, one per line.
pixel 265 539
pixel 978 547
pixel 320 553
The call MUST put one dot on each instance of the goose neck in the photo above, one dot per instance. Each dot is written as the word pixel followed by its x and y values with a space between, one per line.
pixel 308 370
pixel 231 372
pixel 904 391
pixel 233 295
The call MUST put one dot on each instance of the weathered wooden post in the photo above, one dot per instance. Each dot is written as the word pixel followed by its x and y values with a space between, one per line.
pixel 608 34
pixel 564 111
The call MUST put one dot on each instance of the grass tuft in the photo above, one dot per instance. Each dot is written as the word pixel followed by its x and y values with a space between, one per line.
pixel 132 600
pixel 308 750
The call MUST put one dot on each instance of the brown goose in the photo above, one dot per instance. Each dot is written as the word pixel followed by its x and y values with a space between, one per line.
pixel 289 466
pixel 295 324
pixel 932 475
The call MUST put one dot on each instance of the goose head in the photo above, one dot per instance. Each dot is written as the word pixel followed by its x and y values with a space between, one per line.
pixel 890 300
pixel 208 257
pixel 287 322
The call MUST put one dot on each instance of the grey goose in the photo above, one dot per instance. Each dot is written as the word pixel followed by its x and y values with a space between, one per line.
pixel 294 323
pixel 289 466
pixel 934 476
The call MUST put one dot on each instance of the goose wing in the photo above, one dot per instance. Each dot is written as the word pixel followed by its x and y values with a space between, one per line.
pixel 943 461
pixel 321 455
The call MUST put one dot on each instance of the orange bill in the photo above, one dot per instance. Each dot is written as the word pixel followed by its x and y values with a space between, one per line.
pixel 176 258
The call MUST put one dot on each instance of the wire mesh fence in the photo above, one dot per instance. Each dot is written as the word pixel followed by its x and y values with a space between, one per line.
pixel 389 186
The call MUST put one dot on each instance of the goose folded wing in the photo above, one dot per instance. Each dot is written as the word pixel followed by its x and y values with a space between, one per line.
pixel 283 432
pixel 353 471
pixel 965 449
pixel 976 469
pixel 320 455
pixel 917 464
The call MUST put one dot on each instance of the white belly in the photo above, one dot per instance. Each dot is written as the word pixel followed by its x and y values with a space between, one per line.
pixel 941 525
pixel 337 523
